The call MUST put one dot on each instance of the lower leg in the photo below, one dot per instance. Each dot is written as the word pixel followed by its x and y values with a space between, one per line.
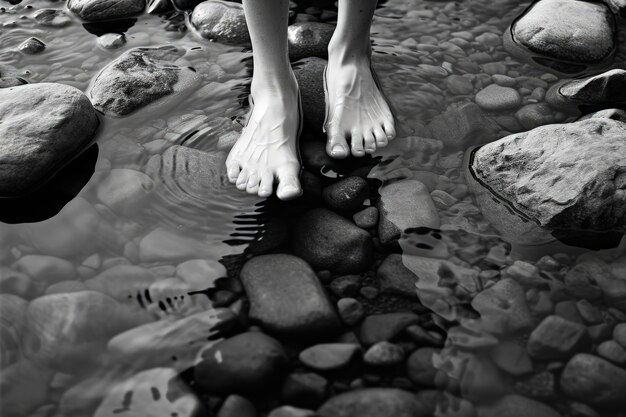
pixel 267 149
pixel 357 109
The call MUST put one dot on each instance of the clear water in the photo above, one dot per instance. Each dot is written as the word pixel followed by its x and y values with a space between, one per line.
pixel 419 46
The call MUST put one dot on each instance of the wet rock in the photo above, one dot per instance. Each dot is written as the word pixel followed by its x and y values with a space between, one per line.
pixel 580 280
pixel 149 393
pixel 125 190
pixel 384 354
pixel 42 127
pixel 328 241
pixel 556 338
pixel 200 274
pixel 346 285
pixel 246 363
pixel 605 89
pixel 289 411
pixel 112 40
pixel 615 114
pixel 310 74
pixel 503 308
pixel 366 218
pixel 420 366
pixel 158 6
pixel 384 327
pixel 46 269
pixel 495 98
pixel 534 115
pixel 105 9
pixel 460 127
pixel 237 406
pixel 612 351
pixel 516 406
pixel 619 334
pixel 350 310
pixel 403 205
pixel 32 46
pixel 593 201
pixel 395 278
pixel 595 381
pixel 308 39
pixel 52 18
pixel 481 381
pixel 6 82
pixel 346 195
pixel 304 390
pixel 286 297
pixel 329 356
pixel 69 331
pixel 374 402
pixel 221 21
pixel 172 342
pixel 584 31
pixel 138 78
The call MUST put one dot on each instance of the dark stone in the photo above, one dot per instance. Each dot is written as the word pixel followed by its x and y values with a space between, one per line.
pixel 366 218
pixel 345 286
pixel 221 21
pixel 420 367
pixel 306 390
pixel 52 18
pixel 385 327
pixel 246 363
pixel 395 278
pixel 346 195
pixel 462 126
pixel 374 402
pixel 105 9
pixel 602 90
pixel 329 241
pixel 286 297
pixel 307 39
pixel 329 356
pixel 237 406
pixel 310 75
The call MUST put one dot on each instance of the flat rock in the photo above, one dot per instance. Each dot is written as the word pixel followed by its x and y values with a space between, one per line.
pixel 308 39
pixel 246 363
pixel 138 78
pixel 221 21
pixel 32 46
pixel 579 189
pixel 105 9
pixel 374 402
pixel 42 127
pixel 593 380
pixel 328 241
pixel 561 30
pixel 287 297
pixel 329 356
pixel 46 269
pixel 404 205
pixel 556 338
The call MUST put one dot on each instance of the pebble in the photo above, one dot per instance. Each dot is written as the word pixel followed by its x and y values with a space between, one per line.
pixel 612 351
pixel 125 190
pixel 32 46
pixel 237 406
pixel 514 405
pixel 329 356
pixel 112 40
pixel 384 327
pixel 46 269
pixel 556 338
pixel 350 310
pixel 307 390
pixel 384 354
pixel 503 308
pixel 346 195
pixel 200 274
pixel 366 218
pixel 496 98
pixel 374 402
pixel 420 366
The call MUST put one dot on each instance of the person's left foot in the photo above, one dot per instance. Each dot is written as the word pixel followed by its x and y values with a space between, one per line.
pixel 356 109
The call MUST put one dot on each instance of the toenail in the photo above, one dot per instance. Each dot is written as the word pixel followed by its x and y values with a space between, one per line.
pixel 338 149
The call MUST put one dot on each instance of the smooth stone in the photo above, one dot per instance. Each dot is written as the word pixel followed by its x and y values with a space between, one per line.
pixel 308 39
pixel 384 327
pixel 512 358
pixel 350 310
pixel 420 366
pixel 346 195
pixel 287 297
pixel 383 354
pixel 584 31
pixel 69 331
pixel 157 391
pixel 42 127
pixel 140 77
pixel 64 287
pixel 52 18
pixel 514 405
pixel 15 283
pixel 346 285
pixel 613 351
pixel 221 21
pixel 534 176
pixel 46 269
pixel 395 278
pixel 556 338
pixel 595 381
pixel 105 9
pixel 503 308
pixel 403 205
pixel 617 6
pixel 237 406
pixel 496 98
pixel 32 46
pixel 112 40
pixel 309 74
pixel 619 334
pixel 481 381
pixel 374 402
pixel 125 190
pixel 329 356
pixel 246 363
pixel 366 218
pixel 172 342
pixel 328 241
pixel 307 390
pixel 462 126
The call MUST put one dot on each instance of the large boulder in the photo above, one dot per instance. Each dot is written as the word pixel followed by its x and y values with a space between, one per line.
pixel 140 77
pixel 328 241
pixel 580 189
pixel 566 34
pixel 105 9
pixel 287 297
pixel 42 128
pixel 221 21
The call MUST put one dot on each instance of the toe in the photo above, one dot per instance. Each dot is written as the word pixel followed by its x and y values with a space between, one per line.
pixel 242 180
pixel 253 183
pixel 232 171
pixel 267 185
pixel 370 142
pixel 356 140
pixel 337 147
pixel 380 136
pixel 390 129
pixel 288 182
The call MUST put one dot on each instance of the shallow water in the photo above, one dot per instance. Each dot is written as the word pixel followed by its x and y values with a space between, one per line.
pixel 420 50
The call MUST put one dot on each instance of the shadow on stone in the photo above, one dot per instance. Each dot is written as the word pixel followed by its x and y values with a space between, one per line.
pixel 120 26
pixel 49 199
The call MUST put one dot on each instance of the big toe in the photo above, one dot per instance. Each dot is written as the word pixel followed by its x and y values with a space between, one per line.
pixel 288 184
pixel 337 146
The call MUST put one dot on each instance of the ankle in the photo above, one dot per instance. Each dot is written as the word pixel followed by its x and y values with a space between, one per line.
pixel 275 84
pixel 349 50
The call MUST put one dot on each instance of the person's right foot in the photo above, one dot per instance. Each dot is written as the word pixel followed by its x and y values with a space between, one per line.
pixel 267 149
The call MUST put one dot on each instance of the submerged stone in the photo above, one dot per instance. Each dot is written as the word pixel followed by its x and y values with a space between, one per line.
pixel 221 21
pixel 105 9
pixel 374 402
pixel 32 46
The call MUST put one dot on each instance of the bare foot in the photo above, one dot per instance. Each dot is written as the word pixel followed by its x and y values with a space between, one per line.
pixel 357 110
pixel 267 148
